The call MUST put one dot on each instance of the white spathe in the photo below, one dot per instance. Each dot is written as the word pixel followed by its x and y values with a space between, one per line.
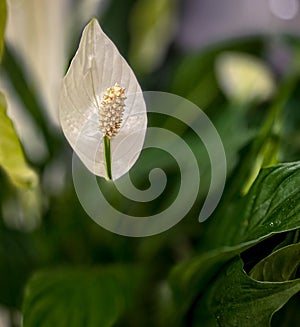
pixel 96 66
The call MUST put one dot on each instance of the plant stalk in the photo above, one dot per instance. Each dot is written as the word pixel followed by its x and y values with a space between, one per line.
pixel 107 157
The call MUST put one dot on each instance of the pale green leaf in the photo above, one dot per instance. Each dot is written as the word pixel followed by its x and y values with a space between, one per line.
pixel 12 158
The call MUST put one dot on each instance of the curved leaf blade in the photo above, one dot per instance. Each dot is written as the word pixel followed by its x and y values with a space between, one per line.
pixel 271 206
pixel 235 299
pixel 12 158
pixel 279 266
pixel 79 297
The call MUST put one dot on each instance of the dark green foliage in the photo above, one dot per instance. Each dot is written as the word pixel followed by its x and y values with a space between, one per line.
pixel 239 268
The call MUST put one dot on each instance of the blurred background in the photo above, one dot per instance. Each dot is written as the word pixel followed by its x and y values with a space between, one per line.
pixel 228 57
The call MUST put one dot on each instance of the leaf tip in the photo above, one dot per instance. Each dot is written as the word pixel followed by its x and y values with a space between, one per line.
pixel 94 23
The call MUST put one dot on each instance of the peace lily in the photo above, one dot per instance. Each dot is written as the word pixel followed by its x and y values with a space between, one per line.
pixel 102 109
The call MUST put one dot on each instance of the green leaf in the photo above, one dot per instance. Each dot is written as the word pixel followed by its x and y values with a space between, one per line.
pixel 279 266
pixel 289 314
pixel 271 206
pixel 263 150
pixel 188 279
pixel 235 299
pixel 152 29
pixel 12 158
pixel 16 258
pixel 2 24
pixel 23 208
pixel 89 297
pixel 233 139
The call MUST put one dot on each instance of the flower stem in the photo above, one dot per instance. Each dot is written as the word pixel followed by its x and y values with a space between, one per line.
pixel 107 156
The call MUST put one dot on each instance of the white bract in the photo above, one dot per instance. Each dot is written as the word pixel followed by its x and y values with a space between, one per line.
pixel 102 102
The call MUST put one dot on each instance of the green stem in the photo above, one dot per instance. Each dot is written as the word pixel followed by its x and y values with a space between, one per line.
pixel 107 157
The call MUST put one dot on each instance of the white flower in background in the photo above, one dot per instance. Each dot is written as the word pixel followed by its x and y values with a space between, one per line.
pixel 37 31
pixel 41 33
pixel 244 78
pixel 102 109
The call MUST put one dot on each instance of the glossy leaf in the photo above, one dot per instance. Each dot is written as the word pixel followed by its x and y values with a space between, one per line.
pixel 190 278
pixel 235 299
pixel 98 65
pixel 289 314
pixel 271 206
pixel 79 297
pixel 279 266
